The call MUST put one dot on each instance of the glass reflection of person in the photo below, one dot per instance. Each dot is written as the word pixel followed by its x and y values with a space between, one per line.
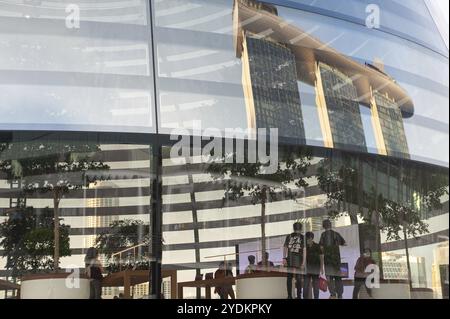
pixel 224 290
pixel 94 272
pixel 329 243
pixel 251 268
pixel 314 263
pixel 267 265
pixel 293 258
pixel 361 274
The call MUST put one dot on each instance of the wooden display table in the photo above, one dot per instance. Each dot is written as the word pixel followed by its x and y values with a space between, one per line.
pixel 129 278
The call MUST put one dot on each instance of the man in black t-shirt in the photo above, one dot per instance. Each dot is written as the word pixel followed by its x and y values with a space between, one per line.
pixel 314 263
pixel 329 243
pixel 293 258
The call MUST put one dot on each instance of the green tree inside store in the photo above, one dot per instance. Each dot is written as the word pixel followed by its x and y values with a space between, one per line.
pixel 52 167
pixel 250 179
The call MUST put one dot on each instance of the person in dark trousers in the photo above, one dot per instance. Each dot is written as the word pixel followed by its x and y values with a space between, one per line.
pixel 329 243
pixel 224 290
pixel 94 272
pixel 314 263
pixel 294 245
pixel 361 274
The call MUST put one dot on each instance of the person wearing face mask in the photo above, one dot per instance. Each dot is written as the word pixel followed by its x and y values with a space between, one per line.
pixel 314 263
pixel 361 274
pixel 293 258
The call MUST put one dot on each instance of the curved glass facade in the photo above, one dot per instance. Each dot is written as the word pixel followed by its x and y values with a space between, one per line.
pixel 110 110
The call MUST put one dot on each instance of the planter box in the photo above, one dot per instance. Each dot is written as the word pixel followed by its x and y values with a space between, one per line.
pixel 54 286
pixel 261 286
pixel 389 289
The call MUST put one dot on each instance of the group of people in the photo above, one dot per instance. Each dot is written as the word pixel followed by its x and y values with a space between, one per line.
pixel 307 261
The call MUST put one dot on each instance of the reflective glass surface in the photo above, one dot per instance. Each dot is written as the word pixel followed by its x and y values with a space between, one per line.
pixel 76 65
pixel 208 71
pixel 99 192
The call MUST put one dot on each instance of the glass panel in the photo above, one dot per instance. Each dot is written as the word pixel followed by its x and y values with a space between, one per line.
pixel 237 63
pixel 214 229
pixel 410 19
pixel 99 192
pixel 85 68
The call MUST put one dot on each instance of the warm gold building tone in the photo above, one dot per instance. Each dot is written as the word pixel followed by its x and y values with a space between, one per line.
pixel 262 20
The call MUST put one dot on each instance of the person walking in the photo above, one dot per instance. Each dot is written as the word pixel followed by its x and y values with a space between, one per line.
pixel 360 272
pixel 329 243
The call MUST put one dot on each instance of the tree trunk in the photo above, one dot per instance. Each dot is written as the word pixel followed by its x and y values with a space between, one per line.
pixel 408 265
pixel 56 230
pixel 263 226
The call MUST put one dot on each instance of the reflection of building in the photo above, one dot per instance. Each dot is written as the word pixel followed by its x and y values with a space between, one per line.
pixel 140 290
pixel 342 85
pixel 99 222
pixel 395 267
pixel 440 273
pixel 270 87
pixel 166 289
pixel 388 126
pixel 339 114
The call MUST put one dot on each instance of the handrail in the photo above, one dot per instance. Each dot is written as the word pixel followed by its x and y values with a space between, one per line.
pixel 119 253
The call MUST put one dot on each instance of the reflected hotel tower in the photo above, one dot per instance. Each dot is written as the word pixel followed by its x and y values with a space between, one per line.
pixel 276 56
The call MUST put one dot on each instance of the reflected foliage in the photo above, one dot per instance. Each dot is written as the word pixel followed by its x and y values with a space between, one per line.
pixel 28 241
pixel 251 179
pixel 51 167
pixel 123 234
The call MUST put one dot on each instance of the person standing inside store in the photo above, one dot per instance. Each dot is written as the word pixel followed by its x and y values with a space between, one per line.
pixel 314 263
pixel 94 272
pixel 329 244
pixel 293 258
pixel 360 272
pixel 251 268
pixel 266 265
pixel 224 290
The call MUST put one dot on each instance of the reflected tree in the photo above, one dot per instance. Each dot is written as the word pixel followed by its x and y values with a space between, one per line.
pixel 28 242
pixel 251 179
pixel 340 181
pixel 123 234
pixel 55 168
pixel 401 213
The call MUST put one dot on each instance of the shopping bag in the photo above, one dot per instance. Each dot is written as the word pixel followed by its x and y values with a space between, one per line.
pixel 323 284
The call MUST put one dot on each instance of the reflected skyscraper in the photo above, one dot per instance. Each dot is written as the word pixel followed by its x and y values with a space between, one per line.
pixel 339 114
pixel 270 86
pixel 276 56
pixel 388 126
